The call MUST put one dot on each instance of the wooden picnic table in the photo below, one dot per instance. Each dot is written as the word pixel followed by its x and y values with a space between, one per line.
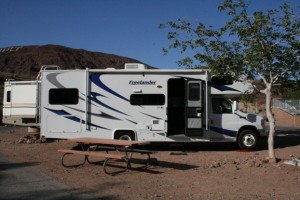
pixel 109 142
pixel 122 150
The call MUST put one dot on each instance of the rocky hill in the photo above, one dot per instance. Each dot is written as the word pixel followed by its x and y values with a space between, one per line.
pixel 24 62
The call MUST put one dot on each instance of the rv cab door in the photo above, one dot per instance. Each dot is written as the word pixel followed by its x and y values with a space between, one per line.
pixel 194 108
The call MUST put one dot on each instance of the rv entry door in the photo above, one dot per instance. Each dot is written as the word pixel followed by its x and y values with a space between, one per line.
pixel 194 108
pixel 176 106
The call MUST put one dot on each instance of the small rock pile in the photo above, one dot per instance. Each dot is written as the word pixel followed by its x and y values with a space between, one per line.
pixel 252 161
pixel 30 139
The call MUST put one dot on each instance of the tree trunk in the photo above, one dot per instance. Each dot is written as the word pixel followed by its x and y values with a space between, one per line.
pixel 267 91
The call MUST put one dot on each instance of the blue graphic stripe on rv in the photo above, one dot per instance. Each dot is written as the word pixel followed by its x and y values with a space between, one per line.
pixel 73 118
pixel 151 116
pixel 224 131
pixel 132 121
pixel 94 96
pixel 100 114
pixel 224 88
pixel 95 78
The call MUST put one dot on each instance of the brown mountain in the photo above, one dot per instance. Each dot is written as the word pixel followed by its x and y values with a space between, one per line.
pixel 24 62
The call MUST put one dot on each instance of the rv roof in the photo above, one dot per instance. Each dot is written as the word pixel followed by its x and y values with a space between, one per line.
pixel 148 71
pixel 130 68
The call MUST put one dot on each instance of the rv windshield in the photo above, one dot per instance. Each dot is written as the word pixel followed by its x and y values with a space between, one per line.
pixel 221 106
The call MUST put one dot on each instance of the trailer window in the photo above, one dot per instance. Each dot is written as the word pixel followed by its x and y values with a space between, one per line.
pixel 8 96
pixel 59 96
pixel 221 106
pixel 147 99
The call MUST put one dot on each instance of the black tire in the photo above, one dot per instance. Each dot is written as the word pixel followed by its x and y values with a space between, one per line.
pixel 247 139
pixel 125 136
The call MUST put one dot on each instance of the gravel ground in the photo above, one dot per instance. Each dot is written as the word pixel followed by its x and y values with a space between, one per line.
pixel 203 171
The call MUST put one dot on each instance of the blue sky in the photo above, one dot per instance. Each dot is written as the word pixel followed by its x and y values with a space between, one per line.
pixel 126 28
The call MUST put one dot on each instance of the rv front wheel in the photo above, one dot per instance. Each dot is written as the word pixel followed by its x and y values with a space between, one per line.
pixel 125 136
pixel 247 139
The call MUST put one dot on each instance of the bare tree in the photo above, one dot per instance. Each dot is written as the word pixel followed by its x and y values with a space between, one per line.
pixel 261 44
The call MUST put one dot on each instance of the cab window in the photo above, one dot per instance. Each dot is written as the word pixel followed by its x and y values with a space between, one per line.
pixel 220 106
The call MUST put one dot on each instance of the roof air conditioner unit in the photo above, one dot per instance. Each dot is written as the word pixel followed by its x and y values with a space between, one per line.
pixel 135 66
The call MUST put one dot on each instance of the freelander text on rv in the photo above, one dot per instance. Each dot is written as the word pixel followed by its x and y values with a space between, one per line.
pixel 139 104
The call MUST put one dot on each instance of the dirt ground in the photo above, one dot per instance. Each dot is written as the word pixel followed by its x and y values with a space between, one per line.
pixel 204 171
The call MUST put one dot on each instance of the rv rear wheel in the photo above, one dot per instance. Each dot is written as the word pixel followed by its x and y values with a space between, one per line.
pixel 247 139
pixel 125 136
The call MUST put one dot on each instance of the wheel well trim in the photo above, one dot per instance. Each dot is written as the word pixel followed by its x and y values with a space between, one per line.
pixel 116 131
pixel 247 127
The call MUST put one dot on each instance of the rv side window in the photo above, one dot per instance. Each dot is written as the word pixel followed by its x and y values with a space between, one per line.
pixel 194 91
pixel 147 99
pixel 8 96
pixel 59 96
pixel 220 106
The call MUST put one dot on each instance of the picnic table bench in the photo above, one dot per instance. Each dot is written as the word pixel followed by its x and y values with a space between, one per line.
pixel 120 150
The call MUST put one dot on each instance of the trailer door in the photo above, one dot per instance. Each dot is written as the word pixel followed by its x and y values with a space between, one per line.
pixel 194 108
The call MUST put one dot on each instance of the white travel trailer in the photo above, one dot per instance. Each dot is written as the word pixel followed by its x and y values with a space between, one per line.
pixel 20 103
pixel 138 104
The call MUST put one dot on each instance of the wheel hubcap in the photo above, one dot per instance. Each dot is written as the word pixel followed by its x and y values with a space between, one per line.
pixel 125 137
pixel 248 140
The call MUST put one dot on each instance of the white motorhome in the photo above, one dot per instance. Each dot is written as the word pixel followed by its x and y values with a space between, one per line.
pixel 135 104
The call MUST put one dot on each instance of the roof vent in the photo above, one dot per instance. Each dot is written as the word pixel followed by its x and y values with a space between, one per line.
pixel 135 66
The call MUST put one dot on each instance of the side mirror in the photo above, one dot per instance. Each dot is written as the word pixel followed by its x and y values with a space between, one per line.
pixel 235 107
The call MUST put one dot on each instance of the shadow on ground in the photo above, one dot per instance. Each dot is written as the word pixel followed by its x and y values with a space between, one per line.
pixel 21 181
pixel 282 139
